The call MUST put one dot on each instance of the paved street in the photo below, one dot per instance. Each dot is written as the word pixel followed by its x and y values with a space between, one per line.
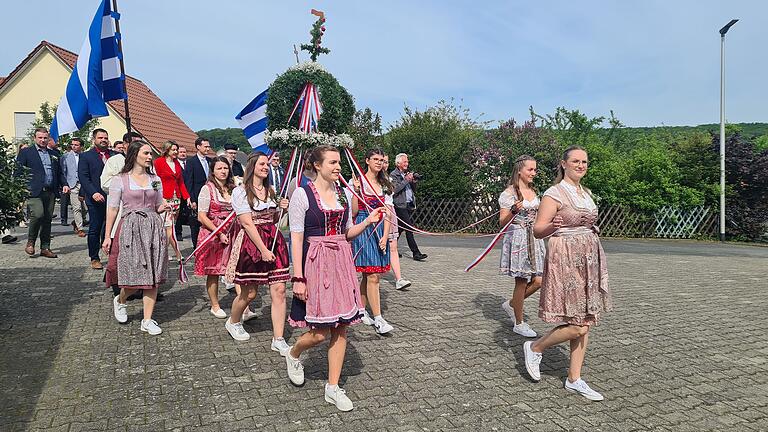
pixel 684 350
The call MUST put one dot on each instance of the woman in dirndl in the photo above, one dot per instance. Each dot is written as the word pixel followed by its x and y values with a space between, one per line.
pixel 214 204
pixel 371 249
pixel 326 296
pixel 574 291
pixel 252 260
pixel 522 255
pixel 140 240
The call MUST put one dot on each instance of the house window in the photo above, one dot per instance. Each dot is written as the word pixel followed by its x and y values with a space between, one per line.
pixel 23 123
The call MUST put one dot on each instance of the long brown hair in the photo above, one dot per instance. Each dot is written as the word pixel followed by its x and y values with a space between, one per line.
pixel 250 172
pixel 229 182
pixel 131 153
pixel 560 170
pixel 382 177
pixel 514 179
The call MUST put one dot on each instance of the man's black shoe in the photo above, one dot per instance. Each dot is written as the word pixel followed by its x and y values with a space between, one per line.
pixel 179 238
pixel 135 296
pixel 160 297
pixel 399 255
pixel 10 239
pixel 64 222
pixel 420 257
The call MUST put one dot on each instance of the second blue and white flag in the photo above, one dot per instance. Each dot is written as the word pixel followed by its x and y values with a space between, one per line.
pixel 253 121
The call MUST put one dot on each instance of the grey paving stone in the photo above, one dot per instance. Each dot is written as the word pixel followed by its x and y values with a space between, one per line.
pixel 685 349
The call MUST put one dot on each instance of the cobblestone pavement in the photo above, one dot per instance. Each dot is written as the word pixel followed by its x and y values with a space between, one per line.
pixel 685 349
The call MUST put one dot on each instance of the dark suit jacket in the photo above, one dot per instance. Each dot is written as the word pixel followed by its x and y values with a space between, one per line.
pixel 89 173
pixel 281 170
pixel 194 176
pixel 29 158
pixel 237 169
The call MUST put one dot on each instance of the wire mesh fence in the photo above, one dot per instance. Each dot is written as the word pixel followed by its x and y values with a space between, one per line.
pixel 447 215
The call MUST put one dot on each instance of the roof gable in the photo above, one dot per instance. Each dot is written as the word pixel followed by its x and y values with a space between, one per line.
pixel 150 116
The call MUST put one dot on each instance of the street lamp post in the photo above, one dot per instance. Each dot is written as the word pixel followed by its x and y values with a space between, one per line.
pixel 723 31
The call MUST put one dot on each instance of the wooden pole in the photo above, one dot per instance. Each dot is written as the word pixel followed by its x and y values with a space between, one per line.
pixel 122 68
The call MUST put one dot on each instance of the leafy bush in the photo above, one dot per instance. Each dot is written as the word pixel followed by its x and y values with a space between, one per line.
pixel 13 190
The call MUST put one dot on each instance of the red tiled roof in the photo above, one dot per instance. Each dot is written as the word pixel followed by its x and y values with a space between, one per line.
pixel 150 116
pixel 1 80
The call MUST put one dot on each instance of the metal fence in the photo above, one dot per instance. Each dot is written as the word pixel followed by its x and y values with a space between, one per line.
pixel 445 215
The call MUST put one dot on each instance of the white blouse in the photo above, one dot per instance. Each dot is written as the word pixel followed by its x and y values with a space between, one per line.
pixel 580 198
pixel 297 209
pixel 204 199
pixel 240 202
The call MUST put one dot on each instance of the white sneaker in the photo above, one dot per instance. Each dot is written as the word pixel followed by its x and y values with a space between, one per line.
pixel 382 326
pixel 402 284
pixel 532 361
pixel 338 397
pixel 121 315
pixel 219 313
pixel 581 387
pixel 508 309
pixel 230 286
pixel 237 331
pixel 366 319
pixel 150 326
pixel 248 314
pixel 280 346
pixel 295 369
pixel 523 329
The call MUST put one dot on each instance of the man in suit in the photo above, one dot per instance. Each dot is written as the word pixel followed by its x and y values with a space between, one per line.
pixel 195 176
pixel 183 218
pixel 89 170
pixel 230 150
pixel 69 164
pixel 404 200
pixel 44 185
pixel 276 172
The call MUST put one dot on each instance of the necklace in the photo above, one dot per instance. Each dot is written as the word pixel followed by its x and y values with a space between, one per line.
pixel 259 188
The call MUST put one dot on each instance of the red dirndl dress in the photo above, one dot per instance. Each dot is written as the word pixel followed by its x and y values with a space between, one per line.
pixel 212 260
pixel 245 265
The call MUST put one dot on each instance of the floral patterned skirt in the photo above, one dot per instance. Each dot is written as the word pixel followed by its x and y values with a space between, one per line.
pixel 574 286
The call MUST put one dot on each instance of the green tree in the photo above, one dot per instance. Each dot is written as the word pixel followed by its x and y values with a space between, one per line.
pixel 366 132
pixel 13 190
pixel 220 137
pixel 437 141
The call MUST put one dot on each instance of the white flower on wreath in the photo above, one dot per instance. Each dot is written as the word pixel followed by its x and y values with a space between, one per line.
pixel 283 138
pixel 308 67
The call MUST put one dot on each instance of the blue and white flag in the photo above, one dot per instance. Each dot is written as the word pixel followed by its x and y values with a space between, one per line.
pixel 253 121
pixel 96 78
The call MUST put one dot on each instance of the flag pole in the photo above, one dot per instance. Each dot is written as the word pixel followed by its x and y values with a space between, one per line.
pixel 122 67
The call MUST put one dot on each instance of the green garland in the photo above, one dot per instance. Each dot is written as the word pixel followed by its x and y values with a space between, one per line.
pixel 338 104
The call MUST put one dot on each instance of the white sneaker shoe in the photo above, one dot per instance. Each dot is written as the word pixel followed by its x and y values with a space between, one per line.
pixel 248 314
pixel 237 331
pixel 219 313
pixel 280 346
pixel 532 361
pixel 581 387
pixel 121 314
pixel 402 284
pixel 382 326
pixel 523 329
pixel 229 286
pixel 366 319
pixel 150 326
pixel 295 369
pixel 508 309
pixel 338 397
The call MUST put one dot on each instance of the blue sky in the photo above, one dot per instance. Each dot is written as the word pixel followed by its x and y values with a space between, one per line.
pixel 652 62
